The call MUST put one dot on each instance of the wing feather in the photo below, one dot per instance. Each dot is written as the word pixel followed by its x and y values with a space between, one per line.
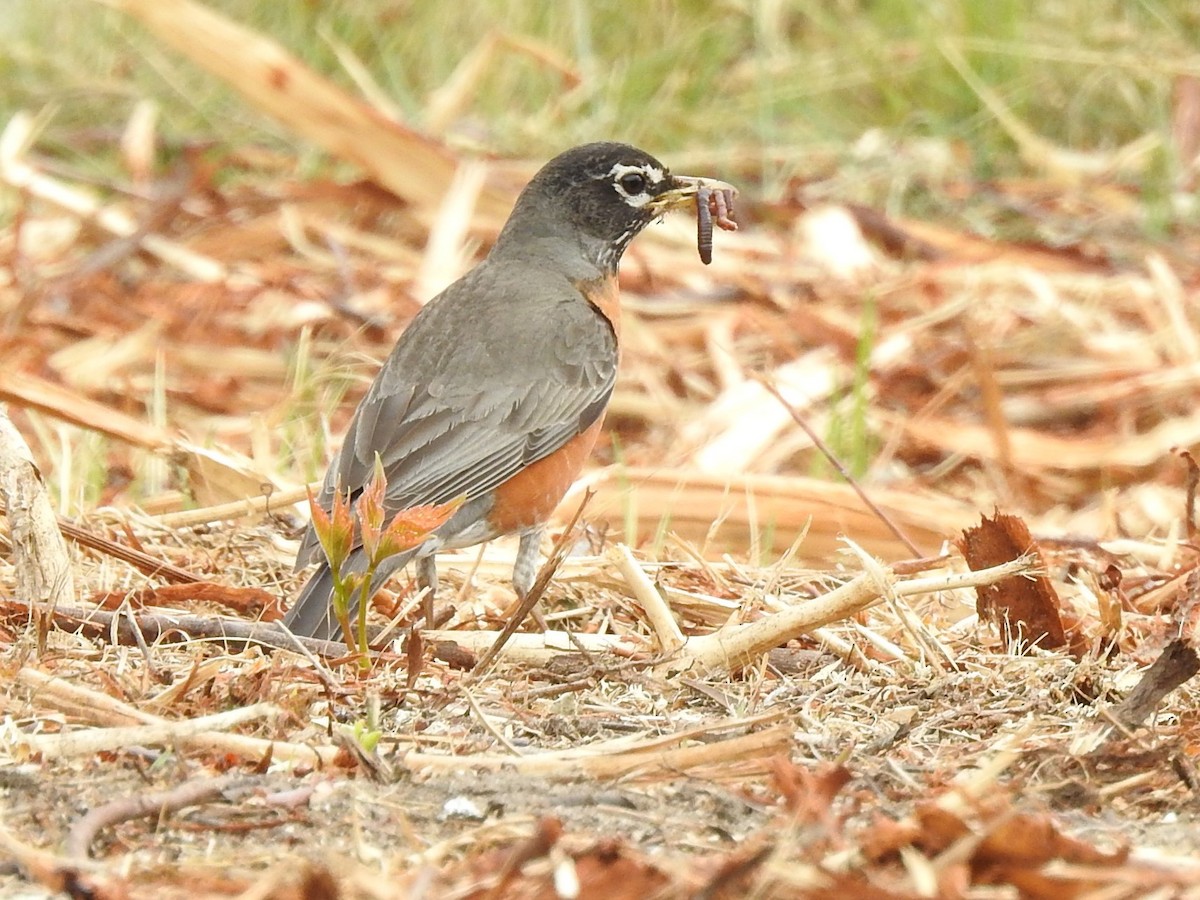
pixel 450 419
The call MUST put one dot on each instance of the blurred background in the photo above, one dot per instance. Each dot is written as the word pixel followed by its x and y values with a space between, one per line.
pixel 779 89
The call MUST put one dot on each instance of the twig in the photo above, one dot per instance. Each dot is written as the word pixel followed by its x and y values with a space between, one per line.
pixel 610 759
pixel 486 723
pixel 741 644
pixel 917 629
pixel 152 668
pixel 849 653
pixel 134 628
pixel 1193 478
pixel 97 708
pixel 236 509
pixel 150 566
pixel 658 613
pixel 561 547
pixel 162 733
pixel 1177 664
pixel 160 625
pixel 539 646
pixel 837 464
pixel 77 700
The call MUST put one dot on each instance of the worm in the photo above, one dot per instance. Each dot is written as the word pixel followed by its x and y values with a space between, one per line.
pixel 723 200
pixel 704 224
pixel 713 205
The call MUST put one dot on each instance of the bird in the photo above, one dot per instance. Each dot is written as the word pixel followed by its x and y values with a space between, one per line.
pixel 495 393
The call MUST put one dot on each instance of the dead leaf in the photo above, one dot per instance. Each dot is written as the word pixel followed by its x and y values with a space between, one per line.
pixel 1026 608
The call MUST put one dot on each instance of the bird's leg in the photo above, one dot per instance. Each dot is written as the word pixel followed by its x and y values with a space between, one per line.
pixel 427 580
pixel 525 570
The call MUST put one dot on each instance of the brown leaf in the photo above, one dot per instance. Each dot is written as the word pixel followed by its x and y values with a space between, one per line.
pixel 887 836
pixel 1032 840
pixel 1027 608
pixel 808 793
pixel 414 651
pixel 454 655
pixel 939 828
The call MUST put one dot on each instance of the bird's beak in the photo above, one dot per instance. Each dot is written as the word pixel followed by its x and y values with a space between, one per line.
pixel 682 192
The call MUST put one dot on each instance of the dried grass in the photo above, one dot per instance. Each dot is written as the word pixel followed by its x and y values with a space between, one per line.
pixel 685 720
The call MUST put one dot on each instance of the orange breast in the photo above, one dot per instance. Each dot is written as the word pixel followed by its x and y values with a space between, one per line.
pixel 605 295
pixel 530 496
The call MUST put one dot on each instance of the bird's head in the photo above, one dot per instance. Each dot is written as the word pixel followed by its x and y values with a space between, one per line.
pixel 603 194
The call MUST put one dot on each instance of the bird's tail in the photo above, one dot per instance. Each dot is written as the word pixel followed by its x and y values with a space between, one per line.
pixel 311 615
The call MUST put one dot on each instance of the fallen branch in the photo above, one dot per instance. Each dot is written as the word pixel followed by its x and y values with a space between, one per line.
pixel 738 645
pixel 162 733
pixel 157 626
pixel 645 757
pixel 658 613
pixel 1177 664
pixel 98 708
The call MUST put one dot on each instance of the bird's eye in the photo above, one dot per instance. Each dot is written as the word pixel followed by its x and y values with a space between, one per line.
pixel 632 184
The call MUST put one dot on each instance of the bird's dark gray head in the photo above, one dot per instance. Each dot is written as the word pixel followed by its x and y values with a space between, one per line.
pixel 597 196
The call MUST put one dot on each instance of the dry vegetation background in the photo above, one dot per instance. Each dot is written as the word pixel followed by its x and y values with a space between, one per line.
pixel 968 264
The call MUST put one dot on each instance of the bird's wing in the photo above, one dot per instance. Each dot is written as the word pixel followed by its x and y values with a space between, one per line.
pixel 480 385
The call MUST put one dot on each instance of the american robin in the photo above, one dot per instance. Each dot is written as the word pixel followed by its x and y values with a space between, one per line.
pixel 496 390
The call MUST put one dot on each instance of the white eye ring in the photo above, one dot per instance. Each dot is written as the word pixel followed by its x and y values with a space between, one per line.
pixel 634 183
